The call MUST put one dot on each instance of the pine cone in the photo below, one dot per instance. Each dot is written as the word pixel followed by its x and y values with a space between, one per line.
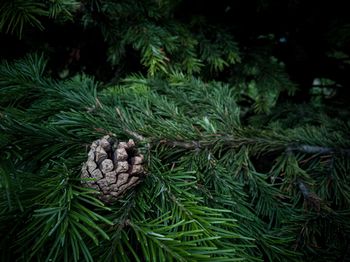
pixel 112 168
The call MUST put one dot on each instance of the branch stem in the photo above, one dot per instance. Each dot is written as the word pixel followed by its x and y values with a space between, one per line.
pixel 197 145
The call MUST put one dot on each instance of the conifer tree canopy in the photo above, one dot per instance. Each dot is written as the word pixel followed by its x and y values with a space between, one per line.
pixel 170 130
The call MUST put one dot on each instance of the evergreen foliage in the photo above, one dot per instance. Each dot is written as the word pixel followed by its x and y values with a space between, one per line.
pixel 237 168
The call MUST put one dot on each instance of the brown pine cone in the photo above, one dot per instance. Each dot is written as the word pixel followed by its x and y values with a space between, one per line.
pixel 112 168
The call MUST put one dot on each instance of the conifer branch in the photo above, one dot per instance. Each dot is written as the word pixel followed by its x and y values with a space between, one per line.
pixel 197 145
pixel 311 198
pixel 183 144
pixel 208 195
pixel 135 135
pixel 309 149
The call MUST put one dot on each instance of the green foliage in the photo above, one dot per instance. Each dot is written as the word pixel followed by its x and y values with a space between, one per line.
pixel 204 198
pixel 171 46
pixel 16 14
pixel 60 219
pixel 236 170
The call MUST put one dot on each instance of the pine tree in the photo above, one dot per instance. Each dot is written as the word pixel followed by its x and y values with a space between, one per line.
pixel 224 163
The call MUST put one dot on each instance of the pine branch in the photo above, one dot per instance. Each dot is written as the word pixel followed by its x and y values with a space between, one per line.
pixel 309 149
pixel 182 144
pixel 311 198
pixel 205 170
pixel 229 141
